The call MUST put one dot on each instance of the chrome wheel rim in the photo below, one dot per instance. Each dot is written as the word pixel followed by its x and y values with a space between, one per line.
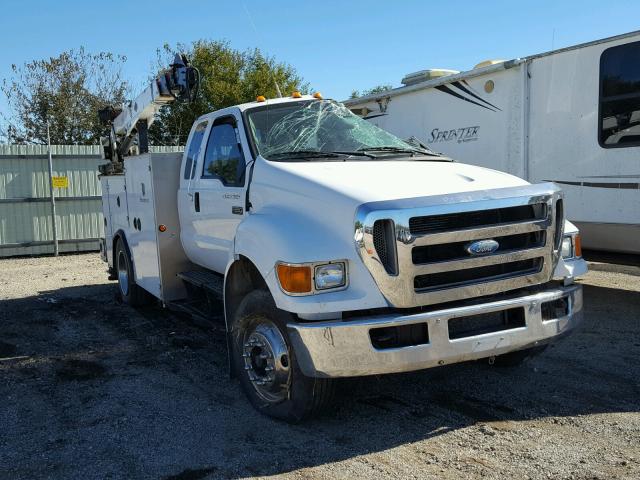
pixel 123 274
pixel 267 362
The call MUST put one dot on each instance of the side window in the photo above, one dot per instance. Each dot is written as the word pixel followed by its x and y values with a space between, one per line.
pixel 194 151
pixel 619 119
pixel 223 158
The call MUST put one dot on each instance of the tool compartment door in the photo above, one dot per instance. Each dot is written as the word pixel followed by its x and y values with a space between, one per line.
pixel 141 231
pixel 165 170
pixel 114 209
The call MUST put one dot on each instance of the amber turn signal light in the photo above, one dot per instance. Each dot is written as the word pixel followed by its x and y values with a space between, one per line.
pixel 294 278
pixel 577 246
pixel 162 228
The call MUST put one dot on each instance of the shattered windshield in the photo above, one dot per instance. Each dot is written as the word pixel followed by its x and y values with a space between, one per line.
pixel 317 129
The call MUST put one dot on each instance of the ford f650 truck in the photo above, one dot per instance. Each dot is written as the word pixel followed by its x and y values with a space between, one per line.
pixel 338 249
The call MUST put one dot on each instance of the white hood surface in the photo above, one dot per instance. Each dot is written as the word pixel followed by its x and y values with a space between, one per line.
pixel 368 181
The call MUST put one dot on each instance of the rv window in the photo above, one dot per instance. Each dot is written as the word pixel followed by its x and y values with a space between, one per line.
pixel 194 151
pixel 619 122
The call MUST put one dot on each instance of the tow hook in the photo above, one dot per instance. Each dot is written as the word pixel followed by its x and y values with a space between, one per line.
pixel 492 359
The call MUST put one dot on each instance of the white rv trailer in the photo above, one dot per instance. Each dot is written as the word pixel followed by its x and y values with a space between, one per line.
pixel 571 116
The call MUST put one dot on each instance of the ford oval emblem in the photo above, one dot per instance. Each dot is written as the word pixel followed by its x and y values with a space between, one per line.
pixel 482 247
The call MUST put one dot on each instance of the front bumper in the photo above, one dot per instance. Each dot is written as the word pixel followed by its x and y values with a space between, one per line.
pixel 344 348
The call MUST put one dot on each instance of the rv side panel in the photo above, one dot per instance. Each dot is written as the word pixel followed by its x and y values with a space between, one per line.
pixel 600 181
pixel 477 120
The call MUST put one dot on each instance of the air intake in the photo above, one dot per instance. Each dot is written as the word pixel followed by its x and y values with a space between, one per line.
pixel 385 245
pixel 559 224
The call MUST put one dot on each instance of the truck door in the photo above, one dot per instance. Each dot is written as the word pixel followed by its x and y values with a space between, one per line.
pixel 186 199
pixel 218 195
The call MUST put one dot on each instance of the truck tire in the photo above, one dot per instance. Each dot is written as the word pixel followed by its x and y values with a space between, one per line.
pixel 266 364
pixel 130 292
pixel 513 359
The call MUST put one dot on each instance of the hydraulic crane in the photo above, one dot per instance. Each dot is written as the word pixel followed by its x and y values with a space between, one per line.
pixel 129 124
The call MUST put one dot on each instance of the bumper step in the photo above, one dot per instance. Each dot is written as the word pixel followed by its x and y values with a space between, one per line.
pixel 209 281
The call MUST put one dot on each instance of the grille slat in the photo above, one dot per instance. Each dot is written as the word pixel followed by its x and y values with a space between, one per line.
pixel 457 250
pixel 459 278
pixel 458 221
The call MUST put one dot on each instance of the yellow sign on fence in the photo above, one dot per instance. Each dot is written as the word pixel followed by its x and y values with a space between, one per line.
pixel 60 182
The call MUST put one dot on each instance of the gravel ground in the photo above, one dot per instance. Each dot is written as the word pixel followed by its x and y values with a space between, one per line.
pixel 91 388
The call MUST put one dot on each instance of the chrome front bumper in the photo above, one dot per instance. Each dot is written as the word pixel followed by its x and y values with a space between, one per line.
pixel 344 348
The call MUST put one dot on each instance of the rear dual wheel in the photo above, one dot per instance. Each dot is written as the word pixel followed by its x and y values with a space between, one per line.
pixel 266 365
pixel 130 292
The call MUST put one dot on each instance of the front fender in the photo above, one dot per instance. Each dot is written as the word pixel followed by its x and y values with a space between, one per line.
pixel 289 236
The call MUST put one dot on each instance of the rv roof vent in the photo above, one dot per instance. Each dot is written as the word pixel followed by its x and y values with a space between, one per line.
pixel 487 63
pixel 425 75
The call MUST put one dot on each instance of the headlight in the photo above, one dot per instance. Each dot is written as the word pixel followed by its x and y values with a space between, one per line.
pixel 310 278
pixel 571 246
pixel 567 247
pixel 331 275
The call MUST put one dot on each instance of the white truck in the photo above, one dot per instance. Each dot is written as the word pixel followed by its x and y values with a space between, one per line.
pixel 338 249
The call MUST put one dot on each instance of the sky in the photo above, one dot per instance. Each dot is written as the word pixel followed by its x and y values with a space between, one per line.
pixel 337 46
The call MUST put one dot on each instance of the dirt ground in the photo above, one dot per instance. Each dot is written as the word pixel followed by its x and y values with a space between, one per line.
pixel 90 388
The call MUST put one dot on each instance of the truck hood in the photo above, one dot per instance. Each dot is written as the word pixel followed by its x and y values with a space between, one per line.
pixel 306 210
pixel 368 181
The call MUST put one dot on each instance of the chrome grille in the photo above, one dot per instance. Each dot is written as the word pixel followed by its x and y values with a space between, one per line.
pixel 417 249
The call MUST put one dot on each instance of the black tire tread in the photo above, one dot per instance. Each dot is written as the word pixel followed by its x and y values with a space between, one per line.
pixel 316 394
pixel 137 296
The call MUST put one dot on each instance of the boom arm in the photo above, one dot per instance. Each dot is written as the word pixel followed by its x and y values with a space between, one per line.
pixel 177 83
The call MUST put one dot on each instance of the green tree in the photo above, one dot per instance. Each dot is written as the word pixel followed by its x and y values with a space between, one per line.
pixel 228 77
pixel 67 90
pixel 371 91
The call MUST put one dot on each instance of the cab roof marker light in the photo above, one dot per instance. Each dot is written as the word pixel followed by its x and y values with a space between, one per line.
pixel 260 98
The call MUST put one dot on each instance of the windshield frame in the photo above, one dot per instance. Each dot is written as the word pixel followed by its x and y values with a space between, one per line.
pixel 416 151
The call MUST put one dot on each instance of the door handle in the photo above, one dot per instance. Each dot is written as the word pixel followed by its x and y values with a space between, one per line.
pixel 237 210
pixel 197 201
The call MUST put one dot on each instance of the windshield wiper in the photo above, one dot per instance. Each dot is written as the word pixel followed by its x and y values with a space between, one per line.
pixel 416 151
pixel 357 153
pixel 391 150
pixel 304 154
pixel 320 154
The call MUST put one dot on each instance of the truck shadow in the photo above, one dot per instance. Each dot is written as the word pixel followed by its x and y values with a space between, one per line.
pixel 85 364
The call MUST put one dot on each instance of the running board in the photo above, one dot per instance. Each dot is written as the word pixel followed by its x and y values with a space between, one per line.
pixel 209 281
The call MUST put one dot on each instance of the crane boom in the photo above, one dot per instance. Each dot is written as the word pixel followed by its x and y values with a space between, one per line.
pixel 131 122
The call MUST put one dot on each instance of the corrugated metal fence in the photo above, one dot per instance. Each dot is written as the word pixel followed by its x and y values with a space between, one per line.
pixel 25 208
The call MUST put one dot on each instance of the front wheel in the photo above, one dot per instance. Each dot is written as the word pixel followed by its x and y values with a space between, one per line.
pixel 266 363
